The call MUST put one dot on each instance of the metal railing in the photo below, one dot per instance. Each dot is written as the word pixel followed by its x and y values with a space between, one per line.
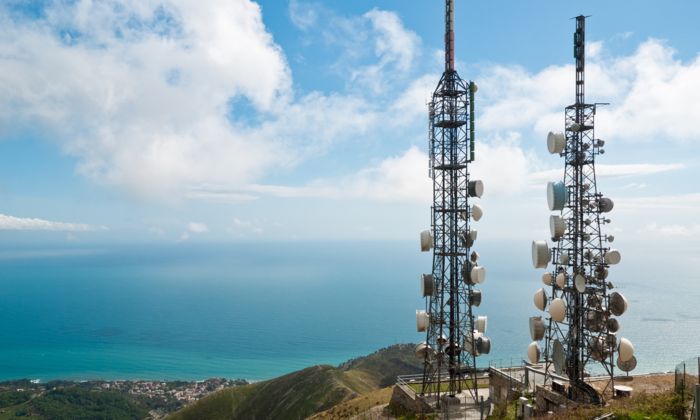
pixel 687 385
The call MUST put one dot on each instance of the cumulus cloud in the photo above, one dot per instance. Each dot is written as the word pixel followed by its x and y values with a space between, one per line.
pixel 193 228
pixel 196 227
pixel 22 223
pixel 170 99
pixel 652 94
pixel 159 97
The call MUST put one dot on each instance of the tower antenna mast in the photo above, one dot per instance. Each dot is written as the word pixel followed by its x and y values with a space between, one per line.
pixel 454 334
pixel 580 333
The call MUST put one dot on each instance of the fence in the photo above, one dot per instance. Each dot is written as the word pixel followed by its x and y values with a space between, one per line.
pixel 687 381
pixel 463 407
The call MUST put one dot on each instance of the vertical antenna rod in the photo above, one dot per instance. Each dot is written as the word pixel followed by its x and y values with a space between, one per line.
pixel 580 56
pixel 449 35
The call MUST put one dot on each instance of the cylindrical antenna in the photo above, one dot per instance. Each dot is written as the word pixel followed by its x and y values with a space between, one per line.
pixel 580 56
pixel 449 35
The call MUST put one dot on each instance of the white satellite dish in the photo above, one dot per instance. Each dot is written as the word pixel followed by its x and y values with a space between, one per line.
pixel 556 142
pixel 557 226
pixel 427 285
pixel 422 320
pixel 423 350
pixel 537 328
pixel 605 205
pixel 540 254
pixel 477 212
pixel 556 195
pixel 426 241
pixel 475 188
pixel 580 282
pixel 625 349
pixel 483 345
pixel 478 274
pixel 475 297
pixel 540 299
pixel 547 279
pixel 627 366
pixel 557 309
pixel 612 257
pixel 575 127
pixel 481 323
pixel 533 353
pixel 617 303
pixel 561 280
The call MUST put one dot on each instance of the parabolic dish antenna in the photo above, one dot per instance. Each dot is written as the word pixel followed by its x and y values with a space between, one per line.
pixel 537 328
pixel 556 195
pixel 475 188
pixel 477 212
pixel 540 254
pixel 556 142
pixel 627 366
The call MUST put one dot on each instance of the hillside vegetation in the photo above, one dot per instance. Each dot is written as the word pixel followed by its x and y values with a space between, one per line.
pixel 303 393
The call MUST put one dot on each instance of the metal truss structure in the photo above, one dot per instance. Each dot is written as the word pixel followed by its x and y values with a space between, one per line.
pixel 454 335
pixel 580 332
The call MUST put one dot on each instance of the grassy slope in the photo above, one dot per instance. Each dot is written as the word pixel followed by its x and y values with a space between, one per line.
pixel 301 394
pixel 356 406
pixel 71 403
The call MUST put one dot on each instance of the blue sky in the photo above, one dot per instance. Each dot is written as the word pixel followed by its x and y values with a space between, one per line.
pixel 231 120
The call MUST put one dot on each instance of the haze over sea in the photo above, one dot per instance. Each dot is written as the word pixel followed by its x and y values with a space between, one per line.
pixel 259 310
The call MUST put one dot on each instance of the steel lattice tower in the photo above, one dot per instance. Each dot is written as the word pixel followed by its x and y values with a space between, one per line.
pixel 580 331
pixel 454 336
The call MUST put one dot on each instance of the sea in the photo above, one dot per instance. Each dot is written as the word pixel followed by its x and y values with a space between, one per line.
pixel 254 311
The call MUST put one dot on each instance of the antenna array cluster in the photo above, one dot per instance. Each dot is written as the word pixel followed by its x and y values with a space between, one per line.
pixel 581 326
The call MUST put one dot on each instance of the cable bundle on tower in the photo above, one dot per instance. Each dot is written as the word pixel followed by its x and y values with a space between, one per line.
pixel 454 335
pixel 580 326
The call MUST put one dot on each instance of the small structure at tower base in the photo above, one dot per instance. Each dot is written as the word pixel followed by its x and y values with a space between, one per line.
pixel 407 399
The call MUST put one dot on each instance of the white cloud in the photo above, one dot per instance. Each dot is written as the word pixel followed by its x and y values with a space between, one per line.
pixel 243 227
pixel 502 164
pixel 397 178
pixel 22 223
pixel 612 170
pixel 395 49
pixel 193 228
pixel 673 230
pixel 678 202
pixel 140 94
pixel 394 42
pixel 303 15
pixel 160 97
pixel 196 227
pixel 652 95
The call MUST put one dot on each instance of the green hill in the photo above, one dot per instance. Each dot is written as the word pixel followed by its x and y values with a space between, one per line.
pixel 301 394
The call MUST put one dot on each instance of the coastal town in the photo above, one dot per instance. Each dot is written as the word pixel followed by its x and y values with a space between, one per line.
pixel 161 397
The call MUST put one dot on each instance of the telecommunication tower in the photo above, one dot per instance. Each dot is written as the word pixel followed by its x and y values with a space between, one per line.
pixel 454 335
pixel 580 331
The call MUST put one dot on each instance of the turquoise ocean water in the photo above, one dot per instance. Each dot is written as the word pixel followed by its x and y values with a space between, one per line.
pixel 255 311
